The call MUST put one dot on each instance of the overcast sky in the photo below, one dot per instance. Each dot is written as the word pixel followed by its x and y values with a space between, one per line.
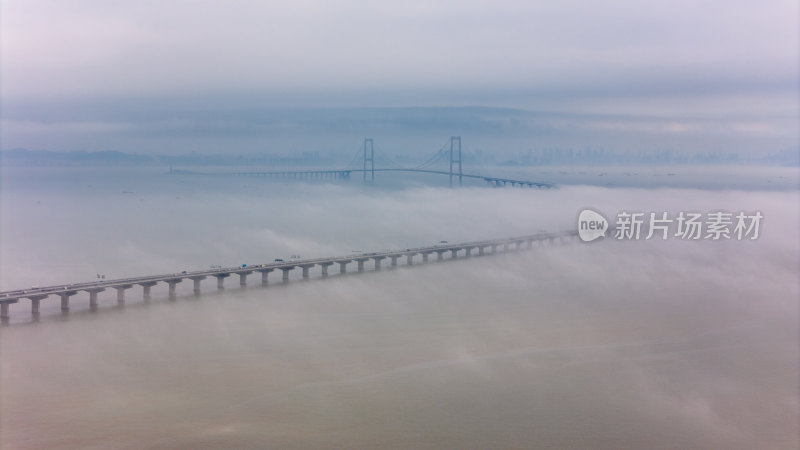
pixel 77 67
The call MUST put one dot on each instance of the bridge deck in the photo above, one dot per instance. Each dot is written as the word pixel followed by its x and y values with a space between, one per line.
pixel 345 173
pixel 38 293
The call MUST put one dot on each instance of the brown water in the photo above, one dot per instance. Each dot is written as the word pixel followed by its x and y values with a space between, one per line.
pixel 436 357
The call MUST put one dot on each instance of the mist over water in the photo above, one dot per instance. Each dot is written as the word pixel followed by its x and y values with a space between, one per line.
pixel 627 106
pixel 608 345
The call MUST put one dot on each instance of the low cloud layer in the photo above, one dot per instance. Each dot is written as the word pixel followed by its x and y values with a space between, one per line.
pixel 623 47
pixel 183 76
pixel 609 345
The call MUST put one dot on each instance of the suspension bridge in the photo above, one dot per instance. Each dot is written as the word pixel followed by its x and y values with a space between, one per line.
pixel 411 256
pixel 366 167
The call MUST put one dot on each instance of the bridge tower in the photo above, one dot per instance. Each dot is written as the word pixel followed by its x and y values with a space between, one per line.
pixel 369 156
pixel 455 158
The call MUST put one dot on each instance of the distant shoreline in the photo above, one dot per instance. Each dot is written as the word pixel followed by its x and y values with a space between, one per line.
pixel 80 158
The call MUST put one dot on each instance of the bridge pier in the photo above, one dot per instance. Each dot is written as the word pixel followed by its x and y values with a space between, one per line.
pixel 146 288
pixel 343 265
pixel 360 262
pixel 4 315
pixel 394 259
pixel 324 266
pixel 93 296
pixel 264 276
pixel 286 272
pixel 35 299
pixel 454 253
pixel 221 280
pixel 425 257
pixel 505 246
pixel 306 268
pixel 410 259
pixel 377 260
pixel 196 283
pixel 121 293
pixel 440 255
pixel 243 277
pixel 172 284
pixel 65 299
pixel 468 252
